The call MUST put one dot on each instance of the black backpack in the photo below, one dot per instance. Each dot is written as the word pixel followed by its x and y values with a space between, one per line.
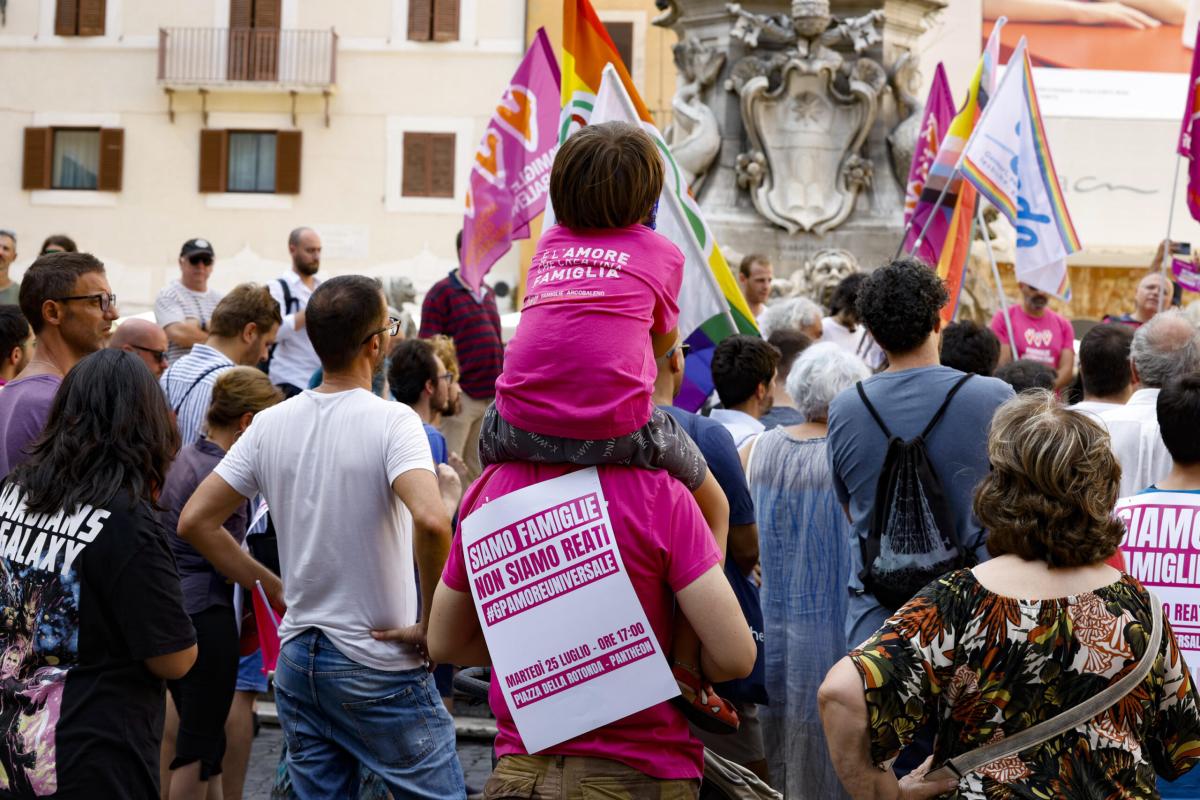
pixel 912 539
pixel 290 306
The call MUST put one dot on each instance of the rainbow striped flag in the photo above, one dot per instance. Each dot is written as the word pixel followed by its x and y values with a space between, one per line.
pixel 1008 160
pixel 711 306
pixel 948 237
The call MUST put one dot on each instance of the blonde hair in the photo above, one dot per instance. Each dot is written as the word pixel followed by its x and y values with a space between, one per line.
pixel 443 348
pixel 239 391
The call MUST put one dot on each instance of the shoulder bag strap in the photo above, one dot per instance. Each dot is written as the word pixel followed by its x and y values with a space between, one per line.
pixel 981 756
pixel 196 383
pixel 937 417
pixel 288 300
pixel 874 414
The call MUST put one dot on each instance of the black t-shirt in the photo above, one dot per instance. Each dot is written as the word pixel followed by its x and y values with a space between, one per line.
pixel 85 598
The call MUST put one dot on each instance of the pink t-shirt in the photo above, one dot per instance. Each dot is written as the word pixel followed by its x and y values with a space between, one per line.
pixel 1039 339
pixel 581 365
pixel 665 545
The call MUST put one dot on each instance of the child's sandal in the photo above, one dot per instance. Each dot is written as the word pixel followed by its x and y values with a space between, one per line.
pixel 700 703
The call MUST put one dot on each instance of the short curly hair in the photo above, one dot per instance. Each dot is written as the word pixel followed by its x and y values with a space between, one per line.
pixel 1053 485
pixel 970 347
pixel 900 303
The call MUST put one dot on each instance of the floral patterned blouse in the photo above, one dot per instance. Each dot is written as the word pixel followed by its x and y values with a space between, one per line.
pixel 986 666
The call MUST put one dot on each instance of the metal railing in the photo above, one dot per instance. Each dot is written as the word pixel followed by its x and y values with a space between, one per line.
pixel 210 56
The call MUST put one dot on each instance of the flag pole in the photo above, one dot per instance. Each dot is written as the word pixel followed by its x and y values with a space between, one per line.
pixel 1166 256
pixel 987 239
pixel 941 198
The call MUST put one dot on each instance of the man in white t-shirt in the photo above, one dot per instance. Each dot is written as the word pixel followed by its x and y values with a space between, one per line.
pixel 355 499
pixel 294 360
pixel 1162 545
pixel 184 306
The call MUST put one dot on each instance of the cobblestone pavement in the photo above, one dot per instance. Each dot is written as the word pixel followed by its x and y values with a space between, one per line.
pixel 476 758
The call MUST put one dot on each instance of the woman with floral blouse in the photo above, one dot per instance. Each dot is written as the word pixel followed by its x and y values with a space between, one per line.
pixel 990 651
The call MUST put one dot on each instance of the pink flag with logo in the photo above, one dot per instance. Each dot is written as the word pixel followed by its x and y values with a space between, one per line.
pixel 510 178
pixel 1189 136
pixel 939 112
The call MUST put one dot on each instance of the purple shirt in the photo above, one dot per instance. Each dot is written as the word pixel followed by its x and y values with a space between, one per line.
pixel 24 407
pixel 203 586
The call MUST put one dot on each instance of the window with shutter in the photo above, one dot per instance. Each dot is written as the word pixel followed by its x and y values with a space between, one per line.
pixel 112 159
pixel 420 20
pixel 415 182
pixel 214 149
pixel 66 18
pixel 287 162
pixel 39 152
pixel 91 17
pixel 441 169
pixel 622 35
pixel 445 20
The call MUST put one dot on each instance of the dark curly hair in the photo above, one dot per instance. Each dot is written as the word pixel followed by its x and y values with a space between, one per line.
pixel 900 302
pixel 845 294
pixel 1053 485
pixel 970 347
pixel 109 431
pixel 1025 374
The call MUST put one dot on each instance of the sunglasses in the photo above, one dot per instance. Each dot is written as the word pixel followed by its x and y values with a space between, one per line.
pixel 199 259
pixel 106 301
pixel 159 355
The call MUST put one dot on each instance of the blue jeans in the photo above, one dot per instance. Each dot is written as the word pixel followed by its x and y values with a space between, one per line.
pixel 337 714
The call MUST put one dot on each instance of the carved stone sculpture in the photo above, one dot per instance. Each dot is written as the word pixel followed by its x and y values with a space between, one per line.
pixel 818 277
pixel 807 113
pixel 694 136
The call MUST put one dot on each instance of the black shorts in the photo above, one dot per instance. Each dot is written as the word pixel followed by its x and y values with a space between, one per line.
pixel 204 695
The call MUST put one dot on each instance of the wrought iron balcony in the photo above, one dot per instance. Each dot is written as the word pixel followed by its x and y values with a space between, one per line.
pixel 247 59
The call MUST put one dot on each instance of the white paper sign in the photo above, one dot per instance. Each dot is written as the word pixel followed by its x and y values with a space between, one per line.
pixel 571 647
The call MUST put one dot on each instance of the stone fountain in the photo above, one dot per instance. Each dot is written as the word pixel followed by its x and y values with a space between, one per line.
pixel 796 123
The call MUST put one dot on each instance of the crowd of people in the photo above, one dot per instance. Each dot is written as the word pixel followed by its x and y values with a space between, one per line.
pixel 887 542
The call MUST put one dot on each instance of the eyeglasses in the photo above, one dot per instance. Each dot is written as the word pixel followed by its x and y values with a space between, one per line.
pixel 106 301
pixel 199 259
pixel 682 347
pixel 159 355
pixel 392 329
pixel 448 377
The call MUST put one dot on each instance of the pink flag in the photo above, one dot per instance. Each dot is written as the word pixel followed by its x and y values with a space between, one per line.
pixel 939 111
pixel 1189 136
pixel 510 178
pixel 268 628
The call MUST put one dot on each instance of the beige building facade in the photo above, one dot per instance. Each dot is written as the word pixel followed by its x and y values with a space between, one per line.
pixel 133 125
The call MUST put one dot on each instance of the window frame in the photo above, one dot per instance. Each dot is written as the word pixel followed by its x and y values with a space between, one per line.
pixel 230 133
pixel 57 129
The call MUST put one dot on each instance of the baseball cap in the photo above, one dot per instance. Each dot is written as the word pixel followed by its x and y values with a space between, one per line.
pixel 193 246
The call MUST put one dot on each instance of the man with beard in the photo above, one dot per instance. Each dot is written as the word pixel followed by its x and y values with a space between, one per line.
pixel 294 360
pixel 68 303
pixel 1041 335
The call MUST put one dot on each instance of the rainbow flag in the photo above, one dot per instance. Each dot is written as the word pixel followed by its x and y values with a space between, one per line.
pixel 711 305
pixel 1008 160
pixel 949 232
pixel 939 112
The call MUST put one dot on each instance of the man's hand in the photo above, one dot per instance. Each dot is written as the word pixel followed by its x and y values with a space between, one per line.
pixel 1112 13
pixel 450 486
pixel 460 466
pixel 413 635
pixel 274 589
pixel 913 786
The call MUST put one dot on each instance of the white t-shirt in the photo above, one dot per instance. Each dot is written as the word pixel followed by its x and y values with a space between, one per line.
pixel 1137 442
pixel 294 360
pixel 858 341
pixel 325 464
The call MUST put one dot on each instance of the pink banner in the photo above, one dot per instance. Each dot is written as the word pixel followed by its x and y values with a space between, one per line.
pixel 939 112
pixel 510 178
pixel 1189 137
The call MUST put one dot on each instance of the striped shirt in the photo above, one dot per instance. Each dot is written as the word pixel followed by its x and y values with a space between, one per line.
pixel 177 303
pixel 450 308
pixel 188 385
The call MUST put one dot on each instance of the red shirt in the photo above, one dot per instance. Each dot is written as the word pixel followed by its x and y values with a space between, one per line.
pixel 474 323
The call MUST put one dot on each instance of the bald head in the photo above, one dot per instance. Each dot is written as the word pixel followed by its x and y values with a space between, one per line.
pixel 1166 347
pixel 145 340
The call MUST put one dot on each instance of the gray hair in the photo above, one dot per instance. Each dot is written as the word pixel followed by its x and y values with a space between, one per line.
pixel 794 313
pixel 820 373
pixel 1164 348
